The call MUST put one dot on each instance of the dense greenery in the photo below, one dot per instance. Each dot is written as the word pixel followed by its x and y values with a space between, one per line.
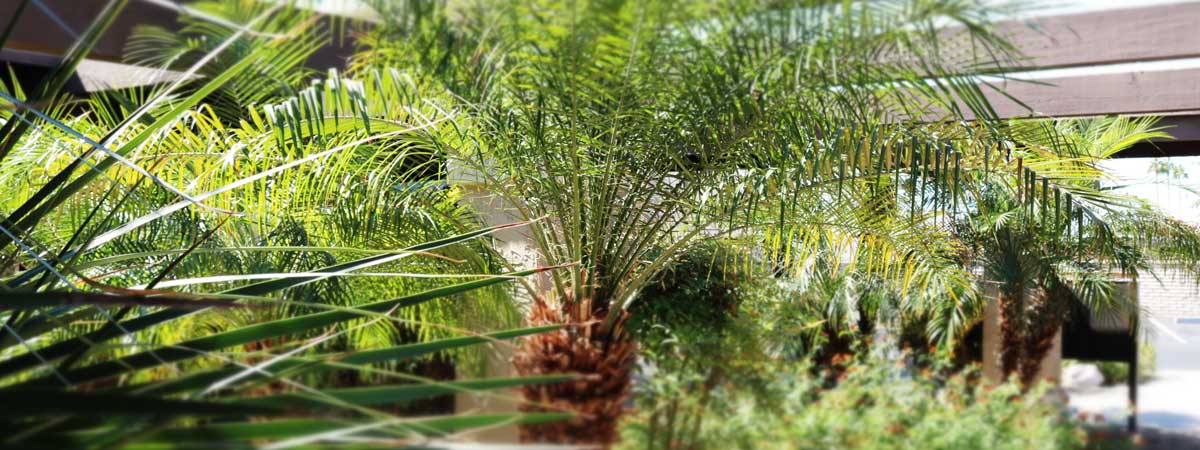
pixel 178 275
pixel 877 403
pixel 747 196
pixel 787 367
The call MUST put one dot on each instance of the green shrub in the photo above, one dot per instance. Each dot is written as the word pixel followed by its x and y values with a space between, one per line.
pixel 693 321
pixel 702 290
pixel 876 404
pixel 829 314
pixel 1114 372
pixel 1117 372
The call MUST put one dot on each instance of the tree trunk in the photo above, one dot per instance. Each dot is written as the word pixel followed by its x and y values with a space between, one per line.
pixel 1046 315
pixel 1028 325
pixel 582 348
pixel 1010 307
pixel 1038 343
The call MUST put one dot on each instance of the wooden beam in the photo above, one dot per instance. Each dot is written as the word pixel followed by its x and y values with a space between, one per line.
pixel 1149 33
pixel 1182 127
pixel 1161 149
pixel 1185 131
pixel 1106 37
pixel 90 76
pixel 36 31
pixel 1133 93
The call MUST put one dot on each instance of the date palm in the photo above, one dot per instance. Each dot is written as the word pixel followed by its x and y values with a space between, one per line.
pixel 811 130
pixel 638 129
pixel 1064 248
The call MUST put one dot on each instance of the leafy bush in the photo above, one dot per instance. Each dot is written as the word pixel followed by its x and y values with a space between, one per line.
pixel 695 321
pixel 876 404
pixel 738 362
pixel 829 314
pixel 731 361
pixel 700 293
pixel 820 319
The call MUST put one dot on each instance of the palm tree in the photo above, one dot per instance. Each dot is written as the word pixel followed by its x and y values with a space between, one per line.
pixel 636 130
pixel 135 280
pixel 1036 285
pixel 639 129
pixel 1060 250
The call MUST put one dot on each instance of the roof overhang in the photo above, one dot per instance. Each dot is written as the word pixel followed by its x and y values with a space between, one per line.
pixel 92 75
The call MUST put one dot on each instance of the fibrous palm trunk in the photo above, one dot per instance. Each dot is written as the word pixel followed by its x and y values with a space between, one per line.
pixel 1046 316
pixel 582 347
pixel 1037 344
pixel 1028 326
pixel 1011 306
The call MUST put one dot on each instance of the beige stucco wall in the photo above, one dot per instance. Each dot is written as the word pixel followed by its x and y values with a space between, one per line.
pixel 518 247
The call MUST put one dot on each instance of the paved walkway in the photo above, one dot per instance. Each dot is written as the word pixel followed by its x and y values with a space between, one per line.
pixel 1170 440
pixel 1169 403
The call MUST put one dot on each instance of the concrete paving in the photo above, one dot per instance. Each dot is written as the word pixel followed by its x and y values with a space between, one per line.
pixel 1170 400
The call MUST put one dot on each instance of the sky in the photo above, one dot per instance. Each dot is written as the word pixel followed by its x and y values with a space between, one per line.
pixel 1168 194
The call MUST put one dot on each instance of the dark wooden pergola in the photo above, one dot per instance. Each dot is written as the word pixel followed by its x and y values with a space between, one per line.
pixel 48 28
pixel 1140 60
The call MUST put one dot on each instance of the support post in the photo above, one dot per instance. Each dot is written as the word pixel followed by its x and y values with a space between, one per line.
pixel 1133 379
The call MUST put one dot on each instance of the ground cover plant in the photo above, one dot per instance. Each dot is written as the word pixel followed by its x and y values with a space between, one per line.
pixel 876 403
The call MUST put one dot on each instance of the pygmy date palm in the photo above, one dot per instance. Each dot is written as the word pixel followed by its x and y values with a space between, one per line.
pixel 1057 238
pixel 636 128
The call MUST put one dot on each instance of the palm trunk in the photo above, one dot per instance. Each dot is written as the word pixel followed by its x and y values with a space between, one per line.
pixel 1028 325
pixel 582 347
pixel 1011 344
pixel 1038 344
pixel 1045 319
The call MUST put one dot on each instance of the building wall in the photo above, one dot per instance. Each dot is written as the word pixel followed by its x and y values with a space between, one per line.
pixel 1173 295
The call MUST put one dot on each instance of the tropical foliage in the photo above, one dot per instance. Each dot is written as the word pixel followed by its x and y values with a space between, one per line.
pixel 183 275
pixel 1041 259
pixel 876 404
pixel 260 252
pixel 640 129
